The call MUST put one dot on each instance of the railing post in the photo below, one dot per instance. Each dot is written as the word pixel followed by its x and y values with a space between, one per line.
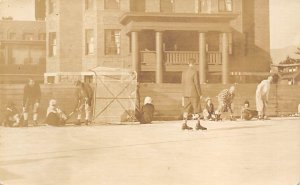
pixel 159 57
pixel 202 58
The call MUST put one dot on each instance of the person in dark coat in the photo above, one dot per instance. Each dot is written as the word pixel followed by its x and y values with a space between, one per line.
pixel 191 96
pixel 83 101
pixel 31 101
pixel 11 115
pixel 147 111
pixel 247 113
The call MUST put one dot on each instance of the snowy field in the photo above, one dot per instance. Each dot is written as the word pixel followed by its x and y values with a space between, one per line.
pixel 228 153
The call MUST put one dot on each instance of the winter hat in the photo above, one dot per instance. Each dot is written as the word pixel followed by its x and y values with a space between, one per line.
pixel 148 100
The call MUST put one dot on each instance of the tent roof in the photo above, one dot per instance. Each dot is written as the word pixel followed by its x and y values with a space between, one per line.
pixel 111 71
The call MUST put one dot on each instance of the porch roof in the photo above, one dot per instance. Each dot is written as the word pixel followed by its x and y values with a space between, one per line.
pixel 177 21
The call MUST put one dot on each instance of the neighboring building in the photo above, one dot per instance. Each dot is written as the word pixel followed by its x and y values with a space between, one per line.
pixel 156 38
pixel 22 50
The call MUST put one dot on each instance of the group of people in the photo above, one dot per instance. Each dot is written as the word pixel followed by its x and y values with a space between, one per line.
pixel 54 115
pixel 192 97
pixel 191 101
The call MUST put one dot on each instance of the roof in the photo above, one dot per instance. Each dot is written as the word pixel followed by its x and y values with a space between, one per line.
pixel 111 71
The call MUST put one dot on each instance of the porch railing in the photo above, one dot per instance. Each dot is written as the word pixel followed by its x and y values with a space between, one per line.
pixel 181 57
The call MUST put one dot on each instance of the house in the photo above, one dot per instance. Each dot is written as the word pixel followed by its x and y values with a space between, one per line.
pixel 156 38
pixel 22 50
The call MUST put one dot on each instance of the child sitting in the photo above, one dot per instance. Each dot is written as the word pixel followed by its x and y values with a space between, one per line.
pixel 146 114
pixel 209 111
pixel 55 116
pixel 11 116
pixel 247 113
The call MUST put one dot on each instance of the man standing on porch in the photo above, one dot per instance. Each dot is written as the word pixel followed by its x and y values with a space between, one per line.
pixel 191 96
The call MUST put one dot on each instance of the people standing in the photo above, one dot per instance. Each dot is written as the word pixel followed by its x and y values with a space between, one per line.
pixel 262 97
pixel 31 101
pixel 225 100
pixel 191 96
pixel 84 99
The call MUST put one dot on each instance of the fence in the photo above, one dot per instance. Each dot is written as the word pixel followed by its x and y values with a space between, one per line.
pixel 284 99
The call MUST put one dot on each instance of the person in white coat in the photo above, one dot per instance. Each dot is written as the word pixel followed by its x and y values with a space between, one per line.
pixel 262 97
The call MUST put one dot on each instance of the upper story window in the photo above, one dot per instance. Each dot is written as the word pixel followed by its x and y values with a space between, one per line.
pixel 42 36
pixel 52 44
pixel 89 4
pixel 112 4
pixel 12 36
pixel 52 6
pixel 112 42
pixel 89 42
pixel 1 35
pixel 167 6
pixel 28 36
pixel 225 6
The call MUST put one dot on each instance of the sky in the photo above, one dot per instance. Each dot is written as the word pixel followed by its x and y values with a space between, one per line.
pixel 284 18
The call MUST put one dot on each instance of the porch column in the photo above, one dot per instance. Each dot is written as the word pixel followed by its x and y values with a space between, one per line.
pixel 202 58
pixel 225 64
pixel 159 57
pixel 135 52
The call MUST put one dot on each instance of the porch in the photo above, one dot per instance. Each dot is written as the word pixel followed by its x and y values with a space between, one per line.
pixel 176 60
pixel 165 43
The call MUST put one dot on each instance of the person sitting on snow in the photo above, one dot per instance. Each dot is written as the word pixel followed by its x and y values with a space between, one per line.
pixel 247 113
pixel 209 111
pixel 55 116
pixel 11 116
pixel 146 114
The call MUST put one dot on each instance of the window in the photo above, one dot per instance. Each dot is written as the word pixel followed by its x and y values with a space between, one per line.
pixel 89 4
pixel 1 35
pixel 112 4
pixel 88 78
pixel 230 45
pixel 166 6
pixel 42 36
pixel 52 44
pixel 89 42
pixel 28 36
pixel 246 47
pixel 205 6
pixel 225 5
pixel 52 6
pixel 12 36
pixel 112 42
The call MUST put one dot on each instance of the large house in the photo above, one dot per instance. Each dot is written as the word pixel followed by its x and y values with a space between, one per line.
pixel 22 50
pixel 156 38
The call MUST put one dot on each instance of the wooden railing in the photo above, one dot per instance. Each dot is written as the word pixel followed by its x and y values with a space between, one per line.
pixel 214 58
pixel 181 57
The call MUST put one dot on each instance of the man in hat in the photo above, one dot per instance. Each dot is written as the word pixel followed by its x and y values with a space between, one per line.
pixel 83 101
pixel 191 96
pixel 31 101
pixel 262 97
